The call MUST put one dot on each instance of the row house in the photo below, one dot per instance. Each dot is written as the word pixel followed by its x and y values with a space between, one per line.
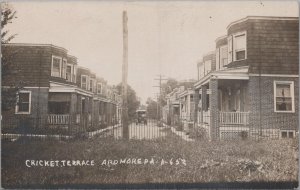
pixel 249 85
pixel 56 91
pixel 171 111
pixel 186 108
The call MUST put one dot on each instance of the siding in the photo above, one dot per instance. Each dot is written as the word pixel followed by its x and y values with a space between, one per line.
pixel 272 46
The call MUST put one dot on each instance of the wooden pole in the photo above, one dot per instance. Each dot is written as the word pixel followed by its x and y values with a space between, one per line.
pixel 124 78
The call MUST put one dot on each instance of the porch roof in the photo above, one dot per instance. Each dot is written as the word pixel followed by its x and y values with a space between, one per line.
pixel 240 73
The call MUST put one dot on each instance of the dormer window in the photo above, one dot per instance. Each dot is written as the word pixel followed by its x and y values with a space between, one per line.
pixel 56 66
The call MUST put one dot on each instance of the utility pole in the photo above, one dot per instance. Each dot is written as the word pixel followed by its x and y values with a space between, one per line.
pixel 160 79
pixel 124 78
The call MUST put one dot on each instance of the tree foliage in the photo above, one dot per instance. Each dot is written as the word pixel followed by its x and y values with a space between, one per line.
pixel 132 99
pixel 8 100
pixel 152 111
pixel 7 15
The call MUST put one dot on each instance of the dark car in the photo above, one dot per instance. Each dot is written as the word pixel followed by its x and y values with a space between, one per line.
pixel 141 117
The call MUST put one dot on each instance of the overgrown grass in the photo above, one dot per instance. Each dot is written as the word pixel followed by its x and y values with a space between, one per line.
pixel 223 161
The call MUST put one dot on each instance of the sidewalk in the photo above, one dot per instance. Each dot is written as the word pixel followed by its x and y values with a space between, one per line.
pixel 181 134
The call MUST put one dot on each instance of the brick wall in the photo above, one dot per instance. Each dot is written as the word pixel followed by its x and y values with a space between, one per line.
pixel 261 104
pixel 214 112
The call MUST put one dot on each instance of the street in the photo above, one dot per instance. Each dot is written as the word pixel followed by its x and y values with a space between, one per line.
pixel 142 131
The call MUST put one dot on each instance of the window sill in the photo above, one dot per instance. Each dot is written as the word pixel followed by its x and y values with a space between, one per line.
pixel 284 111
pixel 25 113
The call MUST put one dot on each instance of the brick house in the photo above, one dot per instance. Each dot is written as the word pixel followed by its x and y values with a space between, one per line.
pixel 252 88
pixel 56 92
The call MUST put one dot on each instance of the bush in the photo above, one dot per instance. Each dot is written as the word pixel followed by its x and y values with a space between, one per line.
pixel 198 133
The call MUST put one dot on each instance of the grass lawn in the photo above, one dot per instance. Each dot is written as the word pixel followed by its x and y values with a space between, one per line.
pixel 200 161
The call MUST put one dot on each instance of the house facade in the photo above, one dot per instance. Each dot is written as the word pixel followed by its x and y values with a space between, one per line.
pixel 56 92
pixel 252 88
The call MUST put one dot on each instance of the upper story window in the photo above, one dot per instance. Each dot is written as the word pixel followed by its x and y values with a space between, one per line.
pixel 221 57
pixel 64 68
pixel 23 102
pixel 69 73
pixel 91 86
pixel 74 73
pixel 207 66
pixel 284 96
pixel 237 47
pixel 56 66
pixel 84 82
pixel 99 88
pixel 201 70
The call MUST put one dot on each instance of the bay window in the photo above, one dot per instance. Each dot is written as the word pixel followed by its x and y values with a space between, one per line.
pixel 284 96
pixel 56 66
pixel 207 67
pixel 237 47
pixel 69 73
pixel 99 88
pixel 84 82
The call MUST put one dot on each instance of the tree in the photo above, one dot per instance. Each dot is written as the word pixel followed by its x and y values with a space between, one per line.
pixel 133 102
pixel 7 15
pixel 151 108
pixel 167 88
pixel 8 100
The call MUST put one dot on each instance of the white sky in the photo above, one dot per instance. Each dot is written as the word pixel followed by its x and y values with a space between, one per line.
pixel 164 37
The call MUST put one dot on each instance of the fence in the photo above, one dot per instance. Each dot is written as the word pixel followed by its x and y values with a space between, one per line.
pixel 230 125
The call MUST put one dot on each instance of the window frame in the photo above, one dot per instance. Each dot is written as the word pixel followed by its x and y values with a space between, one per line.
pixel 98 88
pixel 72 70
pixel 86 82
pixel 236 50
pixel 221 58
pixel 231 49
pixel 291 83
pixel 287 133
pixel 60 65
pixel 17 102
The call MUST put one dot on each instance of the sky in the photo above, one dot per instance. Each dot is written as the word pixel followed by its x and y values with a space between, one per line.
pixel 165 37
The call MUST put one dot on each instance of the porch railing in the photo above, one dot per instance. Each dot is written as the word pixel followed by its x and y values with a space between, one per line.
pixel 58 119
pixel 234 118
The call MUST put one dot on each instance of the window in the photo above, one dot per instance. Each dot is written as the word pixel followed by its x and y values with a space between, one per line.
pixel 91 86
pixel 74 73
pixel 207 66
pixel 99 88
pixel 287 133
pixel 84 80
pixel 191 98
pixel 237 47
pixel 56 67
pixel 64 68
pixel 23 102
pixel 223 56
pixel 284 96
pixel 69 73
pixel 201 70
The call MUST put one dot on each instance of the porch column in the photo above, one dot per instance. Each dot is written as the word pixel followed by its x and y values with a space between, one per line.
pixel 196 100
pixel 73 104
pixel 214 112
